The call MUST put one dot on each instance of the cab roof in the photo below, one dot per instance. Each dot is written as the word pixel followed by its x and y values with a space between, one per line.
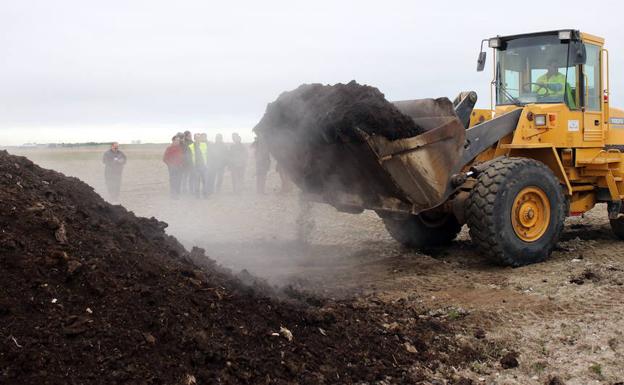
pixel 575 33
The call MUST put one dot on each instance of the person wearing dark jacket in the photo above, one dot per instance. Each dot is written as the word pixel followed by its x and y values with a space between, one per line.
pixel 263 164
pixel 114 161
pixel 174 159
pixel 219 157
pixel 237 163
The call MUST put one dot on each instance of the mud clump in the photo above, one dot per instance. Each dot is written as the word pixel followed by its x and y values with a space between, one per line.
pixel 586 275
pixel 554 380
pixel 111 298
pixel 509 360
pixel 479 334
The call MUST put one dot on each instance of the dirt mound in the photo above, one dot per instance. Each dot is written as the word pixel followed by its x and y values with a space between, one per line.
pixel 89 293
pixel 331 113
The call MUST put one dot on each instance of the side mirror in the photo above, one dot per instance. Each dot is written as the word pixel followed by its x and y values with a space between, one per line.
pixel 481 61
pixel 578 54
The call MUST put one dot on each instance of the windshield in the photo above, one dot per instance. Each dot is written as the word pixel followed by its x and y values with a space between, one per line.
pixel 535 70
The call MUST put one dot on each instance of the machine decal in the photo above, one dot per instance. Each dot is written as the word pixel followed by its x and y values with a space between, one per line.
pixel 573 125
pixel 617 121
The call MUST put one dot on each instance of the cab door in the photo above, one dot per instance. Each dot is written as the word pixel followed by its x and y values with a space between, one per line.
pixel 592 85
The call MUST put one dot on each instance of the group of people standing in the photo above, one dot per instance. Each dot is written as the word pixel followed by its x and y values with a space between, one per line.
pixel 197 166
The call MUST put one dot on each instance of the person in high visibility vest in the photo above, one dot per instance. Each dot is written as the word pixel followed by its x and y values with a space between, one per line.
pixel 199 156
pixel 553 84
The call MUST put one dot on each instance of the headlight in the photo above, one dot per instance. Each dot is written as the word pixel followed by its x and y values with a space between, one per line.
pixel 540 120
pixel 565 35
pixel 494 42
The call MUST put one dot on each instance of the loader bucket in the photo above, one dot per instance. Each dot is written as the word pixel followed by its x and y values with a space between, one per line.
pixel 402 175
pixel 422 166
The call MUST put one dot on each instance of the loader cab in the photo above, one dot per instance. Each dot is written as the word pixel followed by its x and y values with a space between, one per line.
pixel 545 68
pixel 559 74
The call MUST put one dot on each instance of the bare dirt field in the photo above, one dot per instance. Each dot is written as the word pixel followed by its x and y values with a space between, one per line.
pixel 565 316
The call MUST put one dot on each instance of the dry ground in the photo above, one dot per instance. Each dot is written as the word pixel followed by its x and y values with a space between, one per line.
pixel 564 316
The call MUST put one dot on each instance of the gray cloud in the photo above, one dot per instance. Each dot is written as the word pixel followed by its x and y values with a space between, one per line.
pixel 141 69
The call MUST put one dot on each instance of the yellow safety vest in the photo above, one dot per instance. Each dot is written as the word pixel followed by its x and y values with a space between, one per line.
pixel 558 78
pixel 203 150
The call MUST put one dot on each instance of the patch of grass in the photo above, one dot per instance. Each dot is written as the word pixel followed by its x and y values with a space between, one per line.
pixel 479 368
pixel 539 367
pixel 596 369
pixel 453 314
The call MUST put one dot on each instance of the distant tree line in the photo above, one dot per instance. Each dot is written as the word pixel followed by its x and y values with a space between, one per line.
pixel 85 144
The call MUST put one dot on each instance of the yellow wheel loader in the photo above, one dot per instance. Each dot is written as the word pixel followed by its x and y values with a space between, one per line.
pixel 550 146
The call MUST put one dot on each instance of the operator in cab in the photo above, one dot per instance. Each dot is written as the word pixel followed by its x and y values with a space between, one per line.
pixel 553 84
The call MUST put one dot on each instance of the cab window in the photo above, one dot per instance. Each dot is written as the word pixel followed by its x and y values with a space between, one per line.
pixel 591 77
pixel 512 82
pixel 536 69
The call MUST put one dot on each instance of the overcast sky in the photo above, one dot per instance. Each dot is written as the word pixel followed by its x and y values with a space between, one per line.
pixel 84 70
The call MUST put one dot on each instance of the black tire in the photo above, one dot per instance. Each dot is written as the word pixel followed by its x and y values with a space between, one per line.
pixel 617 225
pixel 491 205
pixel 419 231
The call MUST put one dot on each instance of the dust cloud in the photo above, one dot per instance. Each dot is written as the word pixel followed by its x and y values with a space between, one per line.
pixel 281 237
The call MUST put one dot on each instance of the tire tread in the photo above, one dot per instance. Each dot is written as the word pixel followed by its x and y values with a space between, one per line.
pixel 480 213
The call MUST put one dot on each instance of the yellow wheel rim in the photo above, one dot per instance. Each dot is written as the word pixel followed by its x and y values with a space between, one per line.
pixel 530 215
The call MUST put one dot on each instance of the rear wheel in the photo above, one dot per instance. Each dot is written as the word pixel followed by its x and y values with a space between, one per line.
pixel 426 229
pixel 617 225
pixel 516 211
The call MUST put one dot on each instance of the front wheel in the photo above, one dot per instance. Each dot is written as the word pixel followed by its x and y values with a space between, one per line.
pixel 516 211
pixel 424 230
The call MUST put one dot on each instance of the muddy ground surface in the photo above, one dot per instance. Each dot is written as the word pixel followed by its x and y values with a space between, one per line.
pixel 565 316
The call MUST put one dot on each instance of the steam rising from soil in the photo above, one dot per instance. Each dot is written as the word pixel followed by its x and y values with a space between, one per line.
pixel 277 236
pixel 305 221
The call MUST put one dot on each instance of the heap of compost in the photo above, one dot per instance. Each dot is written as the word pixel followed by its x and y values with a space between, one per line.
pixel 313 130
pixel 335 112
pixel 92 294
